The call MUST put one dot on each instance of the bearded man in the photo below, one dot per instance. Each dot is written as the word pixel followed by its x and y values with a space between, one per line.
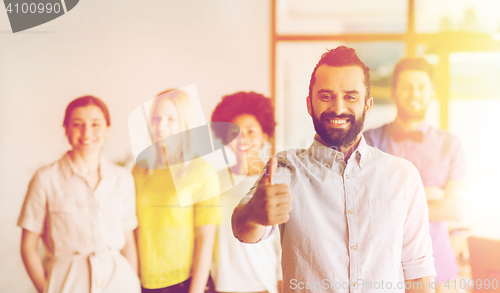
pixel 438 156
pixel 358 221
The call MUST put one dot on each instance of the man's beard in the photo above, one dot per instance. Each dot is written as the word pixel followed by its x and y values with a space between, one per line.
pixel 335 137
pixel 411 114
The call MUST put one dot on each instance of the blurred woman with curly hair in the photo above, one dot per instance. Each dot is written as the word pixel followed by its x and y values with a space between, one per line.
pixel 241 267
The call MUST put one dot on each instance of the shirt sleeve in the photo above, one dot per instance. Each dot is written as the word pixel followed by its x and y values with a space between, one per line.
pixel 416 257
pixel 129 217
pixel 207 212
pixel 34 209
pixel 457 164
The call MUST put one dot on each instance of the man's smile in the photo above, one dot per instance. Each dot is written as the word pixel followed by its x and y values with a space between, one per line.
pixel 337 122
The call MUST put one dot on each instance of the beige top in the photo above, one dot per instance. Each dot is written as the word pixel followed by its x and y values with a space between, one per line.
pixel 82 229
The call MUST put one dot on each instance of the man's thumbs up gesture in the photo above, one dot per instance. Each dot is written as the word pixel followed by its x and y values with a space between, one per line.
pixel 270 205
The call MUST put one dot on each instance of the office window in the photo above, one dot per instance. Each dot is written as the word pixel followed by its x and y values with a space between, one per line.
pixel 341 17
pixel 475 120
pixel 433 16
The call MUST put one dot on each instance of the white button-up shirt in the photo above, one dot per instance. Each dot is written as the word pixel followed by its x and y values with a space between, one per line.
pixel 356 227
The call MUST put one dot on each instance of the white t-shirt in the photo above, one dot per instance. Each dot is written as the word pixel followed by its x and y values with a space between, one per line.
pixel 241 267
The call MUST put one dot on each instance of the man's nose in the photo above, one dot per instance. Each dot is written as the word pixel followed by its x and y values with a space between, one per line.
pixel 416 93
pixel 338 106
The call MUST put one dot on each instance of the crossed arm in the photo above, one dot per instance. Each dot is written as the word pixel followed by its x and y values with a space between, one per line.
pixel 446 203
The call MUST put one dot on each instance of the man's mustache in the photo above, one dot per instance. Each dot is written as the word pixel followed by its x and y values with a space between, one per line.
pixel 333 115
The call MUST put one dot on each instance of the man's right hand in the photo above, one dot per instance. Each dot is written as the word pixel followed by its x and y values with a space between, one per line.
pixel 271 204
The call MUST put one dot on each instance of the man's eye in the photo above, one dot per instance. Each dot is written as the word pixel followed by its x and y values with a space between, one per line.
pixel 325 97
pixel 350 97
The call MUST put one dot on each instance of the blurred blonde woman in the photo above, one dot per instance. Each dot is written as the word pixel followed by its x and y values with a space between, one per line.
pixel 175 242
pixel 83 209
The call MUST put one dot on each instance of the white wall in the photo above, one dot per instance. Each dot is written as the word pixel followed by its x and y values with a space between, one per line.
pixel 124 52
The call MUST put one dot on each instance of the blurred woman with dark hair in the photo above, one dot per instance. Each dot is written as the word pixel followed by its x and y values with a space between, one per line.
pixel 83 209
pixel 240 267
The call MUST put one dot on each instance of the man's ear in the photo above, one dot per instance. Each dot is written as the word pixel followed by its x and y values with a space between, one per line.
pixel 309 106
pixel 369 105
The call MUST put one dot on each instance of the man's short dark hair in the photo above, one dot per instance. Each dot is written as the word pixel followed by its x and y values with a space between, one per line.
pixel 412 63
pixel 340 57
pixel 241 103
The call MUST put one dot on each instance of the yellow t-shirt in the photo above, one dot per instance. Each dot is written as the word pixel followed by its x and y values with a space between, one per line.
pixel 166 230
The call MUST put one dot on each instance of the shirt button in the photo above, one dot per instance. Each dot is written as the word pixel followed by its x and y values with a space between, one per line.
pixel 346 176
pixel 350 212
pixel 361 162
pixel 353 247
pixel 338 155
pixel 354 284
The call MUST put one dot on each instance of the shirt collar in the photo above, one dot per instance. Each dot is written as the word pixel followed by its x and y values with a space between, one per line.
pixel 327 155
pixel 106 170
